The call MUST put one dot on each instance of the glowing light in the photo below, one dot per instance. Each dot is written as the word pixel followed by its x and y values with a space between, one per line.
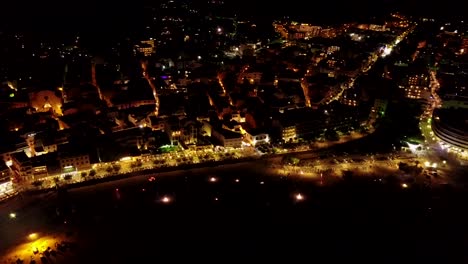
pixel 237 180
pixel 404 185
pixel 12 215
pixel 299 197
pixel 33 236
pixel 413 147
pixel 262 183
pixel 427 164
pixel 166 199
pixel 213 179
pixel 126 159
pixel 386 51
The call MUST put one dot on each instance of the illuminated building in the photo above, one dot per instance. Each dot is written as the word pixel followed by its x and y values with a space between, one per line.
pixel 450 126
pixel 416 86
pixel 288 133
pixel 146 47
pixel 70 163
pixel 6 186
pixel 46 100
pixel 254 137
pixel 227 138
pixel 21 165
pixel 375 27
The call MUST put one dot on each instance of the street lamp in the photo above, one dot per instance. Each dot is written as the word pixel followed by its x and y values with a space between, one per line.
pixel 166 199
pixel 33 236
pixel 12 215
pixel 299 197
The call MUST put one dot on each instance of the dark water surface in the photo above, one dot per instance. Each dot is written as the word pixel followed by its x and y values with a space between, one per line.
pixel 248 217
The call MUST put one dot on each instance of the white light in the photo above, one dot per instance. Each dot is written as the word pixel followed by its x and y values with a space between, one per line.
pixel 213 179
pixel 166 199
pixel 12 215
pixel 237 180
pixel 299 197
pixel 386 51
pixel 427 164
pixel 404 185
pixel 126 159
pixel 219 30
pixel 412 147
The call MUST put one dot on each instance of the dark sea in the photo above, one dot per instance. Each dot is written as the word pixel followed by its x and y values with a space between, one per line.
pixel 248 217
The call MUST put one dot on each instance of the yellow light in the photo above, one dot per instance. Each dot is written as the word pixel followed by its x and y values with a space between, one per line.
pixel 33 236
pixel 404 185
pixel 12 215
pixel 126 159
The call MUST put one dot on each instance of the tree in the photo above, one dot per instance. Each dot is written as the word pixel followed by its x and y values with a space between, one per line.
pixel 116 167
pixel 136 164
pixel 290 160
pixel 84 174
pixel 332 135
pixel 56 180
pixel 67 177
pixel 37 183
pixel 109 169
pixel 92 173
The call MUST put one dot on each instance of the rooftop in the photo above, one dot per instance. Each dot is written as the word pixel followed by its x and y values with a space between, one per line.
pixel 229 134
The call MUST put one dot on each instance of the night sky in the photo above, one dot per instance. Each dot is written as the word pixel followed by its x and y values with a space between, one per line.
pixel 48 15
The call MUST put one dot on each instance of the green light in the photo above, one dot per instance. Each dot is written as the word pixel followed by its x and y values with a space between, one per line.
pixel 12 95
